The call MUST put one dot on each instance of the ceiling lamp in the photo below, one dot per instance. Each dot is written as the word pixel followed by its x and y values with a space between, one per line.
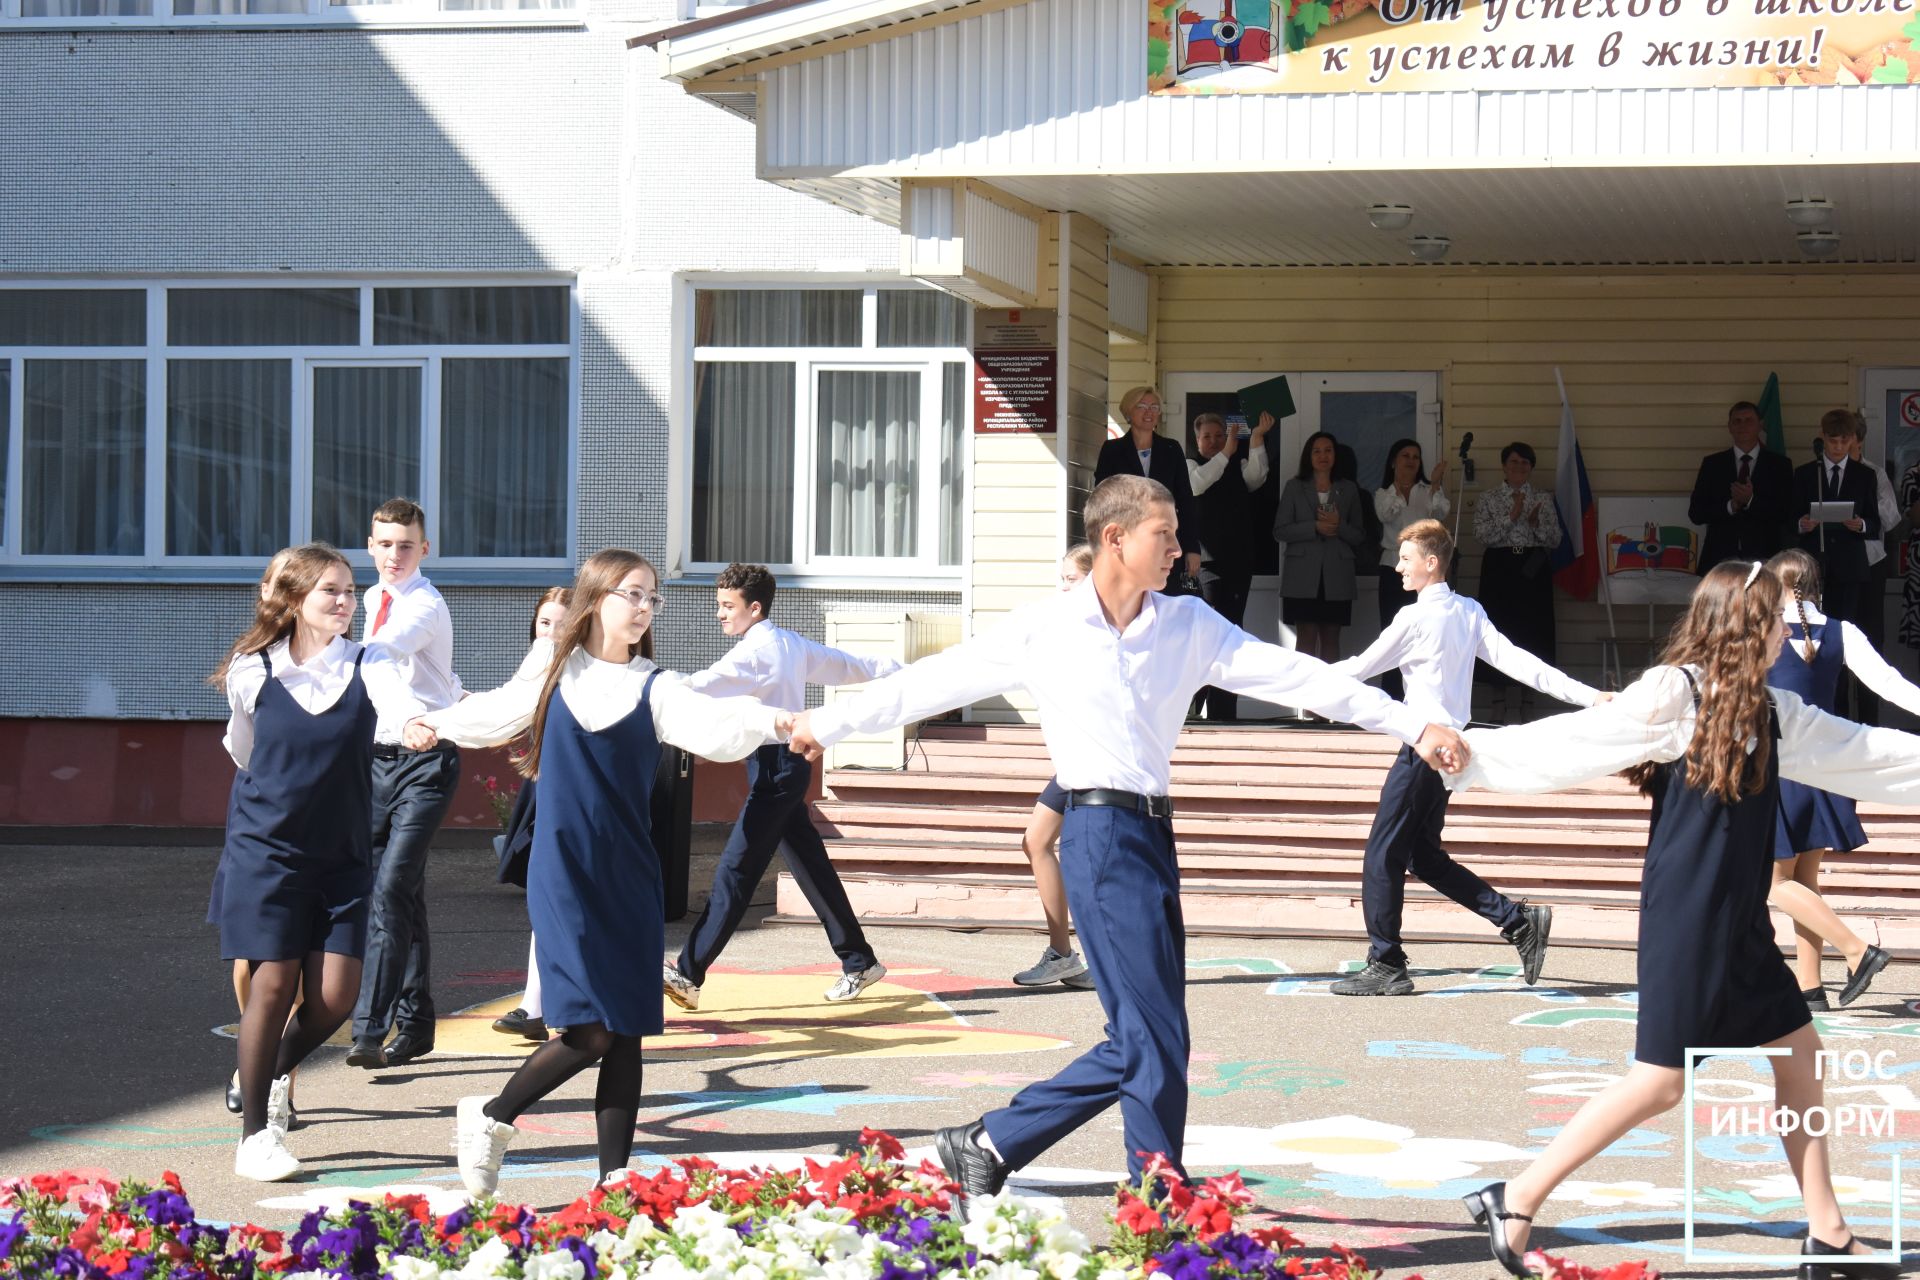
pixel 1428 248
pixel 1389 217
pixel 1818 244
pixel 1810 213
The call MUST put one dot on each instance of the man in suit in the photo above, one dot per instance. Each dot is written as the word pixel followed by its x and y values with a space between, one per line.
pixel 1840 546
pixel 1743 496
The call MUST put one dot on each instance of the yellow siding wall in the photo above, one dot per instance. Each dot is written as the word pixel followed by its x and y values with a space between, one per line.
pixel 1651 359
pixel 1083 359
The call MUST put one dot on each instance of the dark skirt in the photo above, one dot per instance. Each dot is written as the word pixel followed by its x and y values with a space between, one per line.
pixel 1810 818
pixel 1316 609
pixel 1519 607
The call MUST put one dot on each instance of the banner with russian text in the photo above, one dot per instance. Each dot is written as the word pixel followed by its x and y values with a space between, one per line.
pixel 1433 46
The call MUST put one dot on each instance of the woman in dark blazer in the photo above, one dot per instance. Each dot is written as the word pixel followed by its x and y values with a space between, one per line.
pixel 1143 451
pixel 1319 521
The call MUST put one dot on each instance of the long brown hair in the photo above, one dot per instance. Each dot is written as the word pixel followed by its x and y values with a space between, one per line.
pixel 596 580
pixel 294 573
pixel 1724 634
pixel 561 596
pixel 1799 573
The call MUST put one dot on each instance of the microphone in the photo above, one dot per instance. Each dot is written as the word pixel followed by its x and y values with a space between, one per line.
pixel 1466 463
pixel 1466 443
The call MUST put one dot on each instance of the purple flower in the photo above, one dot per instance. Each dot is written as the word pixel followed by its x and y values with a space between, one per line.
pixel 582 1250
pixel 1184 1261
pixel 12 1233
pixel 138 1267
pixel 73 1265
pixel 1245 1253
pixel 166 1208
pixel 458 1220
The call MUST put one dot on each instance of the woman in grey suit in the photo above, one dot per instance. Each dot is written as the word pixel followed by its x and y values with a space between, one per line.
pixel 1319 521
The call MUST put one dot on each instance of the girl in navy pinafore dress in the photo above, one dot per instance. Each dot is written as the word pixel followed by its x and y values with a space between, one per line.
pixel 1813 822
pixel 1710 744
pixel 598 714
pixel 296 868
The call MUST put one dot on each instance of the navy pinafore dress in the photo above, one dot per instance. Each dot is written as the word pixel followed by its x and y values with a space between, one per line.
pixel 593 879
pixel 1710 972
pixel 298 865
pixel 1810 818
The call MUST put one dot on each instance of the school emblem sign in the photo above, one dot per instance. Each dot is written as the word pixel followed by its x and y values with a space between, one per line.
pixel 1432 46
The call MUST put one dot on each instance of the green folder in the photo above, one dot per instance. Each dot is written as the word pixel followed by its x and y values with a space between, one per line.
pixel 1272 396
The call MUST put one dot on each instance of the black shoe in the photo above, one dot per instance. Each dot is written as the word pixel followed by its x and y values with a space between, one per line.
pixel 1817 1000
pixel 978 1171
pixel 1488 1206
pixel 1376 979
pixel 366 1052
pixel 1861 977
pixel 408 1045
pixel 518 1023
pixel 1862 1270
pixel 1529 937
pixel 234 1103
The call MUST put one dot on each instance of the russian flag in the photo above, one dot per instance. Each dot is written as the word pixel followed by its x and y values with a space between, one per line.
pixel 1576 561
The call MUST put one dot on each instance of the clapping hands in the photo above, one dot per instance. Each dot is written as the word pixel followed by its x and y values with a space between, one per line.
pixel 419 736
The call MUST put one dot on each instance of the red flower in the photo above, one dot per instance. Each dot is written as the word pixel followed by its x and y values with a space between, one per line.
pixel 1230 1188
pixel 885 1144
pixel 1293 1266
pixel 1208 1216
pixel 1276 1237
pixel 171 1181
pixel 1136 1216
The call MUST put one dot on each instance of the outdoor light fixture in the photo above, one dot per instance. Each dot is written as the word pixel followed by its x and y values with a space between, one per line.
pixel 1428 248
pixel 1810 213
pixel 1389 217
pixel 1818 244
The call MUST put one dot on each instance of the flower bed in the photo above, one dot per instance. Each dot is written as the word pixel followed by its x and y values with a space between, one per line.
pixel 868 1214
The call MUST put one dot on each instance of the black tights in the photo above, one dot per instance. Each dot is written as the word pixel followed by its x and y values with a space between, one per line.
pixel 271 1043
pixel 616 1099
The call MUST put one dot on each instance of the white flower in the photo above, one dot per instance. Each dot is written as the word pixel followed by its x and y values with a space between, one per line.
pixel 991 1235
pixel 406 1268
pixel 1060 1236
pixel 560 1265
pixel 1114 1273
pixel 1006 1270
pixel 619 1273
pixel 489 1260
pixel 698 1220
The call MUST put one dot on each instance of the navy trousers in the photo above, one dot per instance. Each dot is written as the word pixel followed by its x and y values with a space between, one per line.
pixel 411 796
pixel 1123 888
pixel 774 818
pixel 1406 834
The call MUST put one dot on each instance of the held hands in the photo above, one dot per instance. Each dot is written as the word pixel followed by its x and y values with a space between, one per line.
pixel 1740 494
pixel 1519 505
pixel 1443 748
pixel 783 725
pixel 800 739
pixel 1607 696
pixel 1857 524
pixel 1326 521
pixel 419 736
pixel 1806 524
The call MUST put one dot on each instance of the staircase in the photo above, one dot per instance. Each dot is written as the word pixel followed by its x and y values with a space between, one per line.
pixel 1272 824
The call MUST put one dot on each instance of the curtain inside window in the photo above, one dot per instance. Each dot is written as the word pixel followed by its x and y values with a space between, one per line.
pixel 84 485
pixel 503 458
pixel 489 314
pixel 866 443
pixel 954 404
pixel 6 438
pixel 73 317
pixel 743 432
pixel 366 445
pixel 229 456
pixel 777 317
pixel 922 318
pixel 260 317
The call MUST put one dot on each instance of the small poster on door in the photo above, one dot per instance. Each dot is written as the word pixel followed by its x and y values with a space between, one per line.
pixel 1016 372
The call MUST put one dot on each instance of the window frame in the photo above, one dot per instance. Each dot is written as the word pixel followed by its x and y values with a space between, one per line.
pixel 808 564
pixel 15 565
pixel 318 14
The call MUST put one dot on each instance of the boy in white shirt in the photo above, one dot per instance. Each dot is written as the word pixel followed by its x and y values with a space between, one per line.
pixel 776 666
pixel 412 790
pixel 1434 642
pixel 1112 667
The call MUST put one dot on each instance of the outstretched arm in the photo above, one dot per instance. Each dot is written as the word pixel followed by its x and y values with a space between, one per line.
pixel 1504 655
pixel 1855 760
pixel 1266 671
pixel 1876 672
pixel 967 672
pixel 713 728
pixel 491 718
pixel 1649 720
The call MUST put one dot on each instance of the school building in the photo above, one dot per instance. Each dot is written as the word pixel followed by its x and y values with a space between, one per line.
pixel 734 281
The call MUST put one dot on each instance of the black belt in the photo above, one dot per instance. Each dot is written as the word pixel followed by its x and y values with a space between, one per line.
pixel 1099 798
pixel 394 751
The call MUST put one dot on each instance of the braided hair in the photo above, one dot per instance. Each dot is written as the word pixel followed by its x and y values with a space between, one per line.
pixel 1799 573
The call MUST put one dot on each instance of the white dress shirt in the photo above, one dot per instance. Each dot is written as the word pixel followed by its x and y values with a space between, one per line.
pixel 601 694
pixel 1111 702
pixel 1434 642
pixel 1652 720
pixel 1890 513
pixel 1202 475
pixel 418 636
pixel 776 665
pixel 1860 656
pixel 1422 502
pixel 315 684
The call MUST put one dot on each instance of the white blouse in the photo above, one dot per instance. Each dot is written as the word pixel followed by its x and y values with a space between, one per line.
pixel 600 694
pixel 1422 502
pixel 1860 656
pixel 315 684
pixel 1652 720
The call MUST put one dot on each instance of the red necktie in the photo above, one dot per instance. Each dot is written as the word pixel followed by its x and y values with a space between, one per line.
pixel 1746 469
pixel 380 618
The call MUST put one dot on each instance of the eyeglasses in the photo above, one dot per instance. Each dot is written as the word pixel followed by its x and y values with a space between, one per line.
pixel 640 599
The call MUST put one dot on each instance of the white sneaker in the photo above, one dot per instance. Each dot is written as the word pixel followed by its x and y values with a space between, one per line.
pixel 480 1144
pixel 678 987
pixel 264 1157
pixel 280 1105
pixel 852 984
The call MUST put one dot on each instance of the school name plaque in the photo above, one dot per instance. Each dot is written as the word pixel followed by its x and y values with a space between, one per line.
pixel 1016 372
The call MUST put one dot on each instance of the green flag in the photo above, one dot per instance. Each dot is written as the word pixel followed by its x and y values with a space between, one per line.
pixel 1770 414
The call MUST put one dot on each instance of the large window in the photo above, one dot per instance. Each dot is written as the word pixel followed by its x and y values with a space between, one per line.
pixel 829 428
pixel 183 424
